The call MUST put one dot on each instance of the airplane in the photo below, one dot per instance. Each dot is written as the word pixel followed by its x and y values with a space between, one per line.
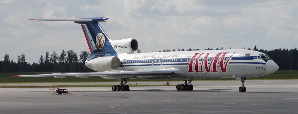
pixel 117 59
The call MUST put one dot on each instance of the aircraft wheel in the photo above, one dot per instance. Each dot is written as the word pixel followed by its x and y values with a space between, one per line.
pixel 182 87
pixel 242 89
pixel 114 88
pixel 178 87
pixel 190 88
pixel 126 88
pixel 187 87
pixel 122 88
pixel 118 87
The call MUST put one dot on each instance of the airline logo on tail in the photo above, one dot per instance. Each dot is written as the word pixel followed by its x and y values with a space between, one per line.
pixel 100 40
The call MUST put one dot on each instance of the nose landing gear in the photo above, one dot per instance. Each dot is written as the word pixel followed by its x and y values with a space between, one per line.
pixel 242 88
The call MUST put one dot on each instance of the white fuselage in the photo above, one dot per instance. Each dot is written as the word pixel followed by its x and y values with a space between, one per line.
pixel 206 63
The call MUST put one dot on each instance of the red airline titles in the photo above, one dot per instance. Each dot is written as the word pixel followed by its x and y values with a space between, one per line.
pixel 203 62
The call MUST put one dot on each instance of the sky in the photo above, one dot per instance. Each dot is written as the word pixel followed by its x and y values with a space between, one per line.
pixel 156 24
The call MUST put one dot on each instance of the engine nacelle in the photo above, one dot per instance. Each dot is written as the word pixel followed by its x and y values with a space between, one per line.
pixel 104 63
pixel 125 45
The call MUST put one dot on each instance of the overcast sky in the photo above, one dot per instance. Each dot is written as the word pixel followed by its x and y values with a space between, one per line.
pixel 156 24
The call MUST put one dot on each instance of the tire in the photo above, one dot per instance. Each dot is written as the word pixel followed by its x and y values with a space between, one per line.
pixel 178 87
pixel 126 88
pixel 242 89
pixel 190 87
pixel 114 88
pixel 118 87
pixel 186 87
pixel 122 88
pixel 182 87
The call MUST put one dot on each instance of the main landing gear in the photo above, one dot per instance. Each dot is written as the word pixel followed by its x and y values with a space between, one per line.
pixel 185 87
pixel 122 86
pixel 242 88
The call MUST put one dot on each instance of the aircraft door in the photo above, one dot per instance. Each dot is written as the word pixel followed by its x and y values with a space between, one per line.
pixel 156 62
pixel 123 64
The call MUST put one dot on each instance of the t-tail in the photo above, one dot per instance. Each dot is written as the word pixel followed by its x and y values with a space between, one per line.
pixel 97 40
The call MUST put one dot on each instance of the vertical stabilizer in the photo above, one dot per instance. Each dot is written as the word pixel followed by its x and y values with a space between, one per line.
pixel 97 40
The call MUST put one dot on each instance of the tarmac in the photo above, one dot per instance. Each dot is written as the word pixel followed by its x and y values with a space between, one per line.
pixel 262 96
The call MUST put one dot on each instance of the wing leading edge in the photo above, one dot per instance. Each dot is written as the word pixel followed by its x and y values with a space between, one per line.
pixel 113 74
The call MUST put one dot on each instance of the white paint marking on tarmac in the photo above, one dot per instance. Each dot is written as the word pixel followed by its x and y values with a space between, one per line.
pixel 291 98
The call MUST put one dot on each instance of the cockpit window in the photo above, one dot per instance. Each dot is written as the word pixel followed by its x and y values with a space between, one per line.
pixel 264 57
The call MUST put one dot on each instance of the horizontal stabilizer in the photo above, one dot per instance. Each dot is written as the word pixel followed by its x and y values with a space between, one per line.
pixel 99 19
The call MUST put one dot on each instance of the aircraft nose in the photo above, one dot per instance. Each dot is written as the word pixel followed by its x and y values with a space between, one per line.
pixel 271 66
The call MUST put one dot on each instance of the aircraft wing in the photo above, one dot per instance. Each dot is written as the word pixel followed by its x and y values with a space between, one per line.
pixel 115 74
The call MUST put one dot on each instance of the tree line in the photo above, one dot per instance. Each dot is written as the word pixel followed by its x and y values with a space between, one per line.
pixel 69 61
pixel 286 59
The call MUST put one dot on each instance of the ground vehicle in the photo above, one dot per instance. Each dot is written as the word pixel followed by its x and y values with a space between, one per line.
pixel 61 91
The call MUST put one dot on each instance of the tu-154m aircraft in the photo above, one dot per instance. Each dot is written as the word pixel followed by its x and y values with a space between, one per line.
pixel 115 59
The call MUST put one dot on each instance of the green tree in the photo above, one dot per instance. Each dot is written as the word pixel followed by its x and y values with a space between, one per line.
pixel 6 63
pixel 71 60
pixel 53 61
pixel 22 63
pixel 62 61
pixel 84 56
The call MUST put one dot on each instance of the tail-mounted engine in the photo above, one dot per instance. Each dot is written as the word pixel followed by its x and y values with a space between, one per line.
pixel 125 45
pixel 104 63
